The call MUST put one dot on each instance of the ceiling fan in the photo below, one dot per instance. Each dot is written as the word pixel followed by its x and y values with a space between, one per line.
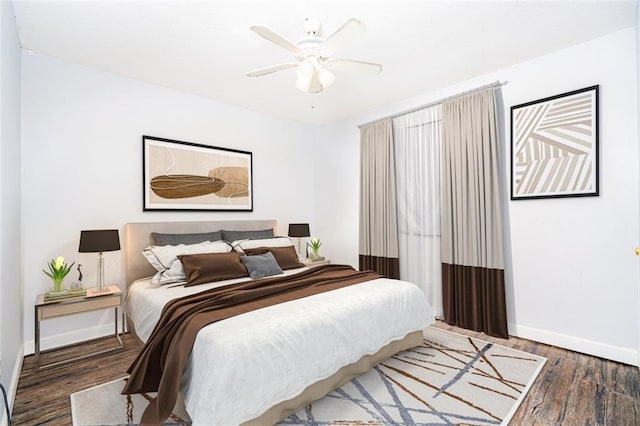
pixel 313 54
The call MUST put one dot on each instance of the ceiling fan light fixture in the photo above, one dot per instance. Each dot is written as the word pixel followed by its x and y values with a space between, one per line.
pixel 326 77
pixel 305 69
pixel 303 82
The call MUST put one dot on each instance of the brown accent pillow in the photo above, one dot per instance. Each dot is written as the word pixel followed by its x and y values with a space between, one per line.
pixel 286 257
pixel 210 267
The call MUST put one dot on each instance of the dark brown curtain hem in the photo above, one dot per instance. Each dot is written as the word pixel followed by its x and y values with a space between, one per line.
pixel 387 266
pixel 474 299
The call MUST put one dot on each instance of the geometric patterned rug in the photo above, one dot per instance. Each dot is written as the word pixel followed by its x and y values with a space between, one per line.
pixel 449 379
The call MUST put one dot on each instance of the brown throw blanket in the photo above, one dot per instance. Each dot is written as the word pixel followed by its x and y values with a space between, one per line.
pixel 159 365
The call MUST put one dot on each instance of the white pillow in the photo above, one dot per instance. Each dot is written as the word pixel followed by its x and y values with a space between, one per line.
pixel 172 275
pixel 165 258
pixel 162 257
pixel 240 245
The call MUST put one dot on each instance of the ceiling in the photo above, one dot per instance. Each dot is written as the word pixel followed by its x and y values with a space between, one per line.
pixel 205 47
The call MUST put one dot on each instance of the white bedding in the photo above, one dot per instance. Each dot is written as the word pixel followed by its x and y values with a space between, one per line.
pixel 241 366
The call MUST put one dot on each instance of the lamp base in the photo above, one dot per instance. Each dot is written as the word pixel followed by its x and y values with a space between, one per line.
pixel 95 291
pixel 298 248
pixel 101 287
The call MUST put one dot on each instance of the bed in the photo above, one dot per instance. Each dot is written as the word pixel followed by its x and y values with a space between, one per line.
pixel 262 366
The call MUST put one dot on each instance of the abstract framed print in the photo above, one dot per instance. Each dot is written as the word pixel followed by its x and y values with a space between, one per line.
pixel 183 176
pixel 554 146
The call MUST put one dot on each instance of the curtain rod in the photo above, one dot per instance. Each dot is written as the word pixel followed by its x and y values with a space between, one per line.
pixel 494 85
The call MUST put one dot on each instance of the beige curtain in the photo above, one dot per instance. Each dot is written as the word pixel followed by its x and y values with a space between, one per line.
pixel 472 254
pixel 378 221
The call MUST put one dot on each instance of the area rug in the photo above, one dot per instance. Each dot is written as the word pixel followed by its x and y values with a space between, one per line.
pixel 449 379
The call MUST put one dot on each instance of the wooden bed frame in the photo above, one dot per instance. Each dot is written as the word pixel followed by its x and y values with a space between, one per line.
pixel 137 237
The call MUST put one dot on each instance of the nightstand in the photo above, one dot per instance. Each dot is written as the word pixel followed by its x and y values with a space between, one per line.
pixel 308 262
pixel 112 298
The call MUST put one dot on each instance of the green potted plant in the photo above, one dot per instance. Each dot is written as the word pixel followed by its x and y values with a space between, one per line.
pixel 315 245
pixel 58 269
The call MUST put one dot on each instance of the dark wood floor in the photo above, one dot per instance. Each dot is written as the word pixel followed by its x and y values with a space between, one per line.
pixel 572 389
pixel 43 394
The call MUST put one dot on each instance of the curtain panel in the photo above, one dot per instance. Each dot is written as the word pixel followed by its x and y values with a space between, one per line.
pixel 417 151
pixel 471 245
pixel 378 220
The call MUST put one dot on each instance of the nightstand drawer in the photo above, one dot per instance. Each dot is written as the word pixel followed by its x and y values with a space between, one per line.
pixel 62 308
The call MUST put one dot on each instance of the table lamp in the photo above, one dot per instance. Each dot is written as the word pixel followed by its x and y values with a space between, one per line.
pixel 299 230
pixel 99 241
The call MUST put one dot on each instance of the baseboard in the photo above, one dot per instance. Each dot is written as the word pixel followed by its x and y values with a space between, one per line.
pixel 589 347
pixel 12 387
pixel 71 337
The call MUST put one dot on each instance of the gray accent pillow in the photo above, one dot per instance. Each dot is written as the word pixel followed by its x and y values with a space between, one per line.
pixel 262 265
pixel 246 235
pixel 175 239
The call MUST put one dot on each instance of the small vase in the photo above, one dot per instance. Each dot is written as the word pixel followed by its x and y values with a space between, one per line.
pixel 57 285
pixel 314 254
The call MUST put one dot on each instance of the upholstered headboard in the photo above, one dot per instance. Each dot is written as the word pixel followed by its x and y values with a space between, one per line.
pixel 137 237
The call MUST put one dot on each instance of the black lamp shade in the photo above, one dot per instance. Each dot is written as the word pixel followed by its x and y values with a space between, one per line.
pixel 299 230
pixel 97 241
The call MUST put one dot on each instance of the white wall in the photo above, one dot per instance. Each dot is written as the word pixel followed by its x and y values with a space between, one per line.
pixel 10 248
pixel 572 278
pixel 81 169
pixel 638 95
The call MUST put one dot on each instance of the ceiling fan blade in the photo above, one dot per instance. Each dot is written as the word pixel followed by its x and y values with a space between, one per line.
pixel 276 39
pixel 343 35
pixel 353 66
pixel 269 70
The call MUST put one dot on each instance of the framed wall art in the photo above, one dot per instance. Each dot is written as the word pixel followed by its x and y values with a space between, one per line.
pixel 554 146
pixel 181 176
